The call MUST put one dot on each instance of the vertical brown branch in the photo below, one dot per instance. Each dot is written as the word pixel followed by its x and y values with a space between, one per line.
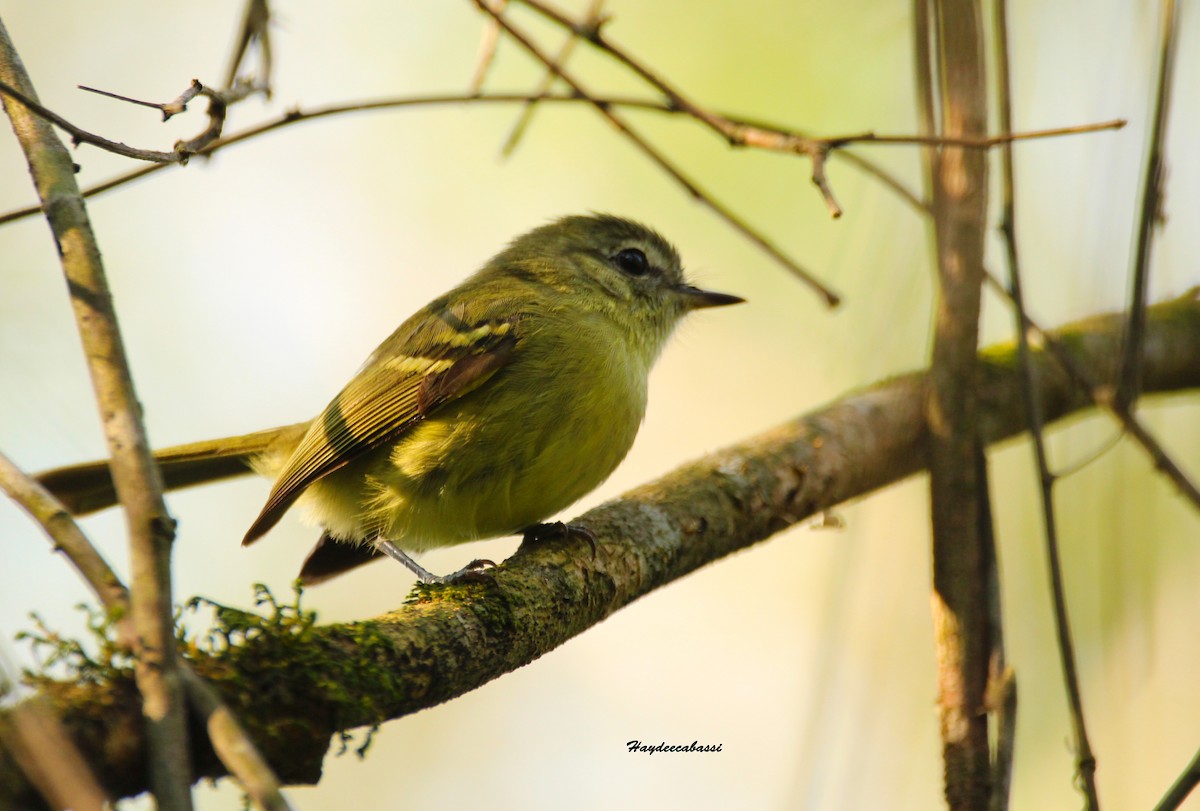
pixel 137 481
pixel 962 625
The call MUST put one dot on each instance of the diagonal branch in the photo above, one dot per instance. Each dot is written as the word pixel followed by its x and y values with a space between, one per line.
pixel 1151 213
pixel 454 639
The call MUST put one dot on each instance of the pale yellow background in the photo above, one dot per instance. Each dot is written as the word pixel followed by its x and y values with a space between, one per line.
pixel 250 288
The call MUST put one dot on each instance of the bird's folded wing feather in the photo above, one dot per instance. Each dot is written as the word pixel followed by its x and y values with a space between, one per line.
pixel 434 358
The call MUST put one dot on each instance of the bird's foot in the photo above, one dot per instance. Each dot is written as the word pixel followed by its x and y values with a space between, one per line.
pixel 475 570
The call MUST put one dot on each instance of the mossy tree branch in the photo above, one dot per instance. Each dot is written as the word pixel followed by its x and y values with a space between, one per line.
pixel 295 684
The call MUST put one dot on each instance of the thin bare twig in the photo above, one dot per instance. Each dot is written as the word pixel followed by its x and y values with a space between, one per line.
pixel 183 150
pixel 1183 786
pixel 1152 191
pixel 255 30
pixel 1085 760
pixel 174 107
pixel 81 136
pixel 976 142
pixel 592 18
pixel 296 116
pixel 485 56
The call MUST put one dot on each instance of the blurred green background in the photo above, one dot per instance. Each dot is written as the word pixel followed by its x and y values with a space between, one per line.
pixel 251 286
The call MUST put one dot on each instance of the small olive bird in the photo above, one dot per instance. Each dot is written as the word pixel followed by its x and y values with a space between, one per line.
pixel 497 405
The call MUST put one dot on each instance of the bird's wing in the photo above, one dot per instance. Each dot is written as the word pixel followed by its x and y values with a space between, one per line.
pixel 435 357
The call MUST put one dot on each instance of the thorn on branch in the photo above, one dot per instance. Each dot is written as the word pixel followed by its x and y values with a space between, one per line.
pixel 168 109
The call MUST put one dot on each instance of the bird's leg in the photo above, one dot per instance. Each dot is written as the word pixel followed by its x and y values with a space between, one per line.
pixel 537 533
pixel 472 569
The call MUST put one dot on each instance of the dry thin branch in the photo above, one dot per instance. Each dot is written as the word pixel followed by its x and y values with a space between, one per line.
pixel 1085 763
pixel 218 104
pixel 777 139
pixel 79 136
pixel 255 30
pixel 296 115
pixel 974 142
pixel 173 107
pixel 592 14
pixel 1152 192
pixel 485 55
pixel 454 639
pixel 151 529
pixel 1085 760
pixel 183 150
pixel 1183 786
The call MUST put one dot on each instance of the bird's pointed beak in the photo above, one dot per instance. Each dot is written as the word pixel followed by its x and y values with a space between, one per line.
pixel 695 298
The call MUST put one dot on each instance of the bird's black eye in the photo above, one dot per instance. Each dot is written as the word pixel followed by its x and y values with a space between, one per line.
pixel 632 261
